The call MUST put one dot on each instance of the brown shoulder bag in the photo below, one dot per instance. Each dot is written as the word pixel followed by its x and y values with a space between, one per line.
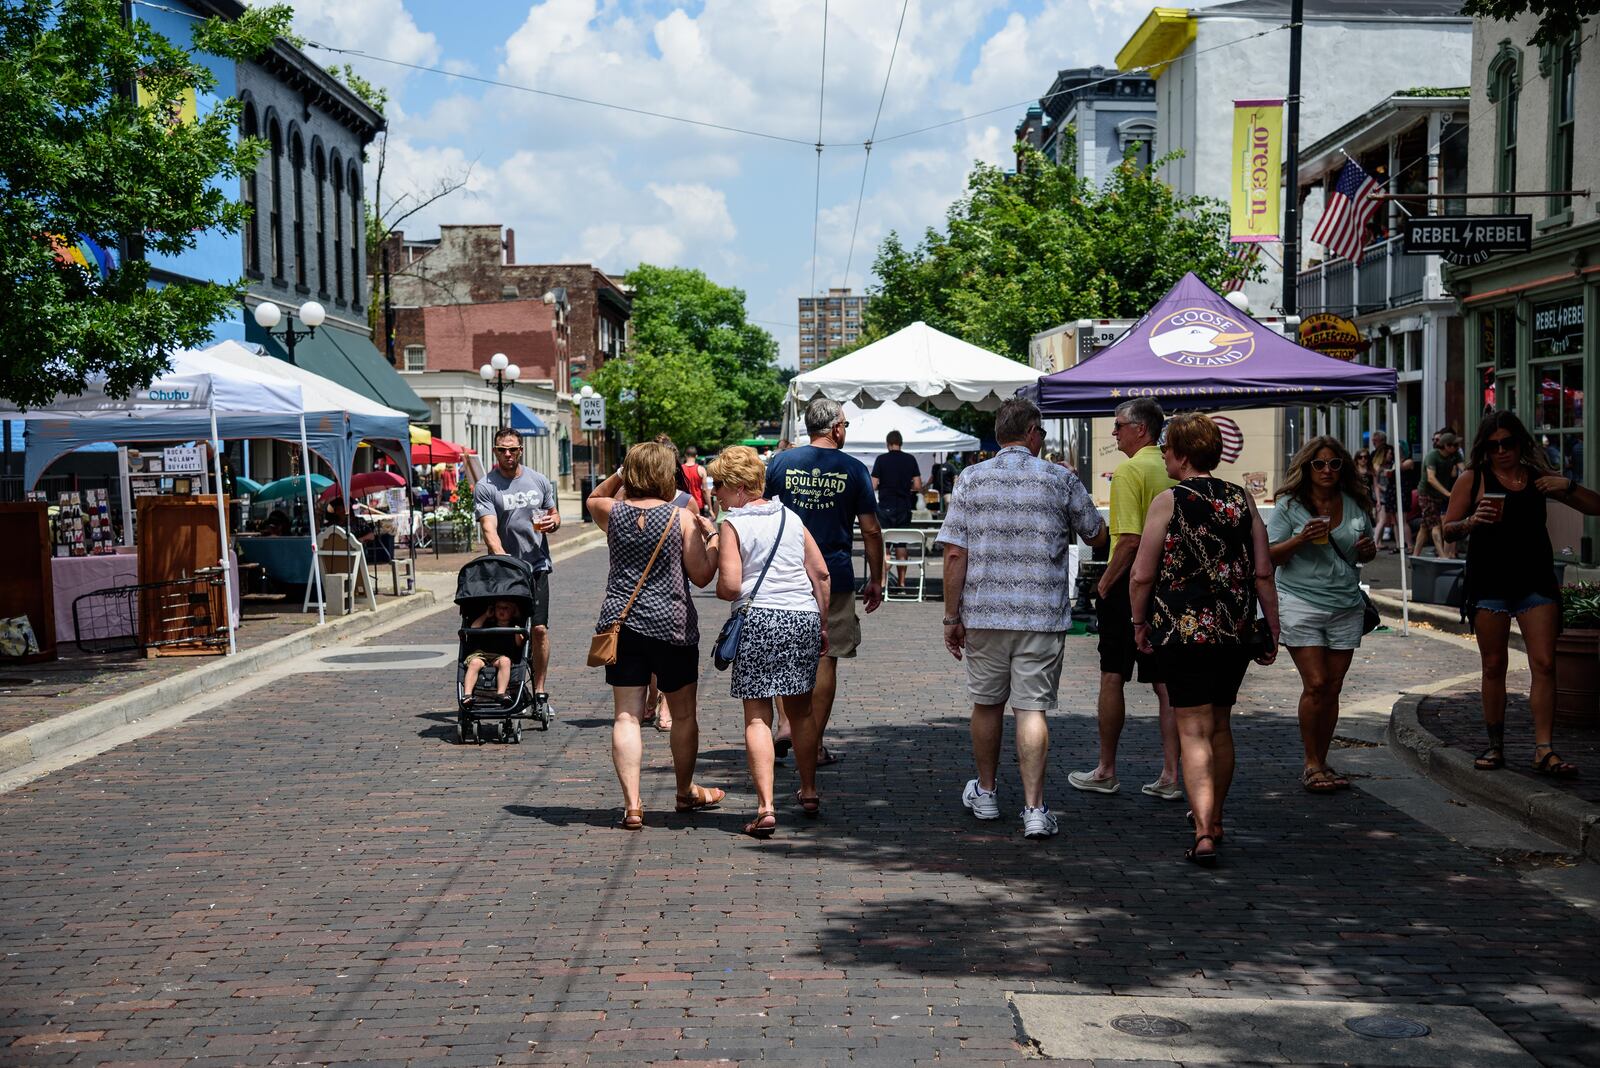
pixel 603 646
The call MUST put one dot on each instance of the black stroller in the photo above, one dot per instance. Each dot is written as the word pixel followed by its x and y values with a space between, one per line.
pixel 479 584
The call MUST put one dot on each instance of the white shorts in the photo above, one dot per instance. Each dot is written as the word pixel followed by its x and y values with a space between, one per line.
pixel 1302 624
pixel 1020 668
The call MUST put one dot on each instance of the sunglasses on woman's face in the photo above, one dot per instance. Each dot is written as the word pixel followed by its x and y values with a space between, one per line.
pixel 1500 444
pixel 1327 465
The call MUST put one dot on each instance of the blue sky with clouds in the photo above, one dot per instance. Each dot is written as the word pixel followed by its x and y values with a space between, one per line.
pixel 581 183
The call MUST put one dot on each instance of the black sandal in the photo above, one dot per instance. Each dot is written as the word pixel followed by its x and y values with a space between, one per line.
pixel 1217 838
pixel 1552 764
pixel 1491 759
pixel 1205 860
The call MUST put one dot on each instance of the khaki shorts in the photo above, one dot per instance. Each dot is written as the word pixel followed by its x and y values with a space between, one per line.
pixel 844 626
pixel 1020 668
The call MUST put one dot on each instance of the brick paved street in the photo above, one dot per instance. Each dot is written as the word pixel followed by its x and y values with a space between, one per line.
pixel 318 874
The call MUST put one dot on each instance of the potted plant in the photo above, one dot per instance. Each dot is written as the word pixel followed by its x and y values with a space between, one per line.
pixel 1578 656
pixel 458 515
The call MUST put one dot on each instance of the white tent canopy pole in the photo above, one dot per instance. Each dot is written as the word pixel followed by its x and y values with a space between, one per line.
pixel 311 520
pixel 1400 532
pixel 222 534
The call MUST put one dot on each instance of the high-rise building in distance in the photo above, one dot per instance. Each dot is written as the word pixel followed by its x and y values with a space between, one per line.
pixel 828 323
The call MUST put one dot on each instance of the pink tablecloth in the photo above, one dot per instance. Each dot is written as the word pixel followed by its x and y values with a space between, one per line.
pixel 77 575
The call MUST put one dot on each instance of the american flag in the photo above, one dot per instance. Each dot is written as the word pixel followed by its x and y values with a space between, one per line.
pixel 1245 252
pixel 1344 217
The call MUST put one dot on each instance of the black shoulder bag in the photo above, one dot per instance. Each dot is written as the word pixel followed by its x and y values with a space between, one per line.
pixel 1370 620
pixel 726 649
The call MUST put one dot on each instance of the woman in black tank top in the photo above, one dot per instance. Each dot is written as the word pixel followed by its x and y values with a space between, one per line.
pixel 1510 573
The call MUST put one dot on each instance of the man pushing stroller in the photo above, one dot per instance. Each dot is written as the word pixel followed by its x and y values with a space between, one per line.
pixel 516 508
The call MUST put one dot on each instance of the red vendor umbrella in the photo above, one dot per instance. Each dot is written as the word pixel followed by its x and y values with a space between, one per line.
pixel 364 483
pixel 437 451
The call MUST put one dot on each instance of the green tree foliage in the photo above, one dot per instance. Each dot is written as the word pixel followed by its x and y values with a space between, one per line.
pixel 680 312
pixel 676 394
pixel 1024 252
pixel 79 155
pixel 1558 19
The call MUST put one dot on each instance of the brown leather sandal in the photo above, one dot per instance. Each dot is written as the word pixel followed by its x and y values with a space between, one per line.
pixel 811 806
pixel 700 797
pixel 633 819
pixel 763 825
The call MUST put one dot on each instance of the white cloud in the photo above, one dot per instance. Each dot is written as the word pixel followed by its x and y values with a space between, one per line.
pixel 379 27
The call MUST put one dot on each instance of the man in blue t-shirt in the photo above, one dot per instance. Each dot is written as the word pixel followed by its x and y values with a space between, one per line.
pixel 831 492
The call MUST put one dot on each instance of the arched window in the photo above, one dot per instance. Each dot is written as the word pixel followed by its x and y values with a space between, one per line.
pixel 275 217
pixel 338 226
pixel 248 127
pixel 1505 86
pixel 297 214
pixel 1139 135
pixel 357 239
pixel 319 171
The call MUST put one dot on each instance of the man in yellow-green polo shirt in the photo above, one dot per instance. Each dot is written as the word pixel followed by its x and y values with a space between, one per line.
pixel 1136 427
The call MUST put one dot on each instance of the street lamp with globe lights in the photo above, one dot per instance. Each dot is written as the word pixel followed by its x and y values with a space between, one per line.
pixel 502 372
pixel 268 315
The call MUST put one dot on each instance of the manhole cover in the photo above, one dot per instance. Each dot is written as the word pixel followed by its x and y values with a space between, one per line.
pixel 1142 1025
pixel 382 657
pixel 8 681
pixel 1386 1027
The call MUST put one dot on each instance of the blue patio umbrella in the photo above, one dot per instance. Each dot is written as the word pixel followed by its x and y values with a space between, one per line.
pixel 293 488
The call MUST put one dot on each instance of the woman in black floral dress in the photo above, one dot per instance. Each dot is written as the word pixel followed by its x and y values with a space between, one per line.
pixel 1203 566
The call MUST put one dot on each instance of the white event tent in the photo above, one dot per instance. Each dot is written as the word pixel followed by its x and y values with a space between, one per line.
pixel 194 390
pixel 915 365
pixel 925 437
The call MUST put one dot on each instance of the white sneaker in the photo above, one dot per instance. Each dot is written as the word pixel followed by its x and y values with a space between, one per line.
pixel 984 804
pixel 1039 823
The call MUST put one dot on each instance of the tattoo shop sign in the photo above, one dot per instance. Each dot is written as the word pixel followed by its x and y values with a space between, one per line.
pixel 1467 239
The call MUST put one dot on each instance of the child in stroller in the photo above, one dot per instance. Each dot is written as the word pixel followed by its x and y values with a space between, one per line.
pixel 495 595
pixel 504 614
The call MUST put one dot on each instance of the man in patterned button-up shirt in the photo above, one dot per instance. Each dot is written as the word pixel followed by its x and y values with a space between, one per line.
pixel 1008 601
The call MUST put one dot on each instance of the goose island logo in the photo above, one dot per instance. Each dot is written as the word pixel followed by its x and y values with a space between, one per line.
pixel 1201 337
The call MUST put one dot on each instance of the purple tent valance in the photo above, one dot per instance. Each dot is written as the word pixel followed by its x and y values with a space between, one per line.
pixel 1195 351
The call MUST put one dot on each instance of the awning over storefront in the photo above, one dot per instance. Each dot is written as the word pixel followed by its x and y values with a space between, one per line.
pixel 524 421
pixel 351 360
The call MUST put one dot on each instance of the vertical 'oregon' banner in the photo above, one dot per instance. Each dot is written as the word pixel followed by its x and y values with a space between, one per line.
pixel 1257 169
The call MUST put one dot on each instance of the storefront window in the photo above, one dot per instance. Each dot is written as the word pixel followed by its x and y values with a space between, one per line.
pixel 1558 370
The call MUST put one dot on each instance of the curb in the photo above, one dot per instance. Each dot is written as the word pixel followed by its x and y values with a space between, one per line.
pixel 45 739
pixel 1567 820
pixel 1439 616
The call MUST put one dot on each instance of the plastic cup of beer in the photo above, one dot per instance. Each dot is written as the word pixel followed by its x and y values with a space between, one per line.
pixel 1498 502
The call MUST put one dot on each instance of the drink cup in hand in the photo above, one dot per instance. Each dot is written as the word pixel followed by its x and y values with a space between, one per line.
pixel 1317 526
pixel 1492 507
pixel 546 521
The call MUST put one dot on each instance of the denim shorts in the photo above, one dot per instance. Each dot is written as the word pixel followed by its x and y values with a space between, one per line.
pixel 1514 608
pixel 1303 625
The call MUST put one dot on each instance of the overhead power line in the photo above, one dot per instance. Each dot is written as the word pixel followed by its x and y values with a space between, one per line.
pixel 861 194
pixel 816 210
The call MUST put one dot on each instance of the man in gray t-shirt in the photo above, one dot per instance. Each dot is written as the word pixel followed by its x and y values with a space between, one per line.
pixel 516 507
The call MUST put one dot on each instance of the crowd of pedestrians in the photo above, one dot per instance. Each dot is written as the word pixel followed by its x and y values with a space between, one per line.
pixel 1195 587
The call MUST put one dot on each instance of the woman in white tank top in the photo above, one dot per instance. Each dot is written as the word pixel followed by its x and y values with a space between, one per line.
pixel 784 624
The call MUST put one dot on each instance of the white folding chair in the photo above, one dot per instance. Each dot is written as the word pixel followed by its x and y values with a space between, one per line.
pixel 342 555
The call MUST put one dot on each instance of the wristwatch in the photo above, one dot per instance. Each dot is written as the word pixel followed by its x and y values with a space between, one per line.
pixel 952 621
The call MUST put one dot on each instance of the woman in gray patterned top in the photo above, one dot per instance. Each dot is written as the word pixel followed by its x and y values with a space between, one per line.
pixel 660 633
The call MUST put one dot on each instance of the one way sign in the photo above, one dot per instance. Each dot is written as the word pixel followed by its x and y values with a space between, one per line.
pixel 592 413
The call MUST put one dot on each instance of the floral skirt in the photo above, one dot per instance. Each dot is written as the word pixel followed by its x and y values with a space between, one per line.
pixel 778 653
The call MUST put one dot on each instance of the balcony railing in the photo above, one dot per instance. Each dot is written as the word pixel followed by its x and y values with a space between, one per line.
pixel 1385 278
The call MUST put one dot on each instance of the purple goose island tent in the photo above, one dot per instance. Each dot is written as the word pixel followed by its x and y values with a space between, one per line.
pixel 1195 351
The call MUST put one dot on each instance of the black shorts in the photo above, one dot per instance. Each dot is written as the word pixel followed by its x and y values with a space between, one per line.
pixel 541 599
pixel 638 657
pixel 892 519
pixel 1118 655
pixel 1202 674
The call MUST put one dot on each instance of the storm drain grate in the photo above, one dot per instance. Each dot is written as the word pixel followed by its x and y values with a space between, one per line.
pixel 1142 1025
pixel 1387 1027
pixel 394 657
